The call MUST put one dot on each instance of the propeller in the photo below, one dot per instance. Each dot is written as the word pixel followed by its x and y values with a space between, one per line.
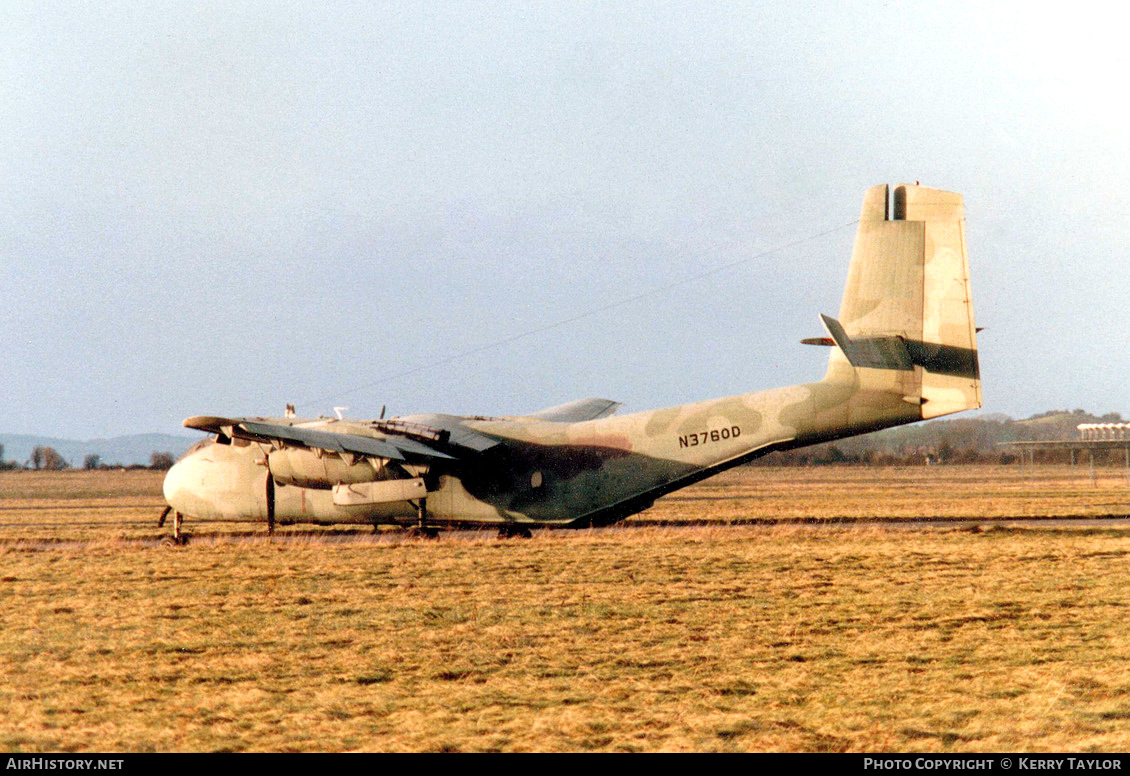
pixel 270 492
pixel 270 501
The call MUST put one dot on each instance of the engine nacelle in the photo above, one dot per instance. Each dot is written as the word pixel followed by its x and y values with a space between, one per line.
pixel 322 470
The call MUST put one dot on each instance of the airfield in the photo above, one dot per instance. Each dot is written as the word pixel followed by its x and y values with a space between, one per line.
pixel 946 608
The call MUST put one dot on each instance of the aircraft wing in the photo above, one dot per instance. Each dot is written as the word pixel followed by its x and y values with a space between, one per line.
pixel 398 444
pixel 577 411
pixel 454 427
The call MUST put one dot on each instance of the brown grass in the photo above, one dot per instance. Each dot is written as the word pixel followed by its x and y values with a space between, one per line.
pixel 787 637
pixel 901 493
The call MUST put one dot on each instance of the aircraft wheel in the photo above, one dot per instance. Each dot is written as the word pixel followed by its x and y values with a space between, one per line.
pixel 423 532
pixel 514 532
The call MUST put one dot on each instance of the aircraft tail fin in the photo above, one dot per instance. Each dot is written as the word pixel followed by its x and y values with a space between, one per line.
pixel 906 320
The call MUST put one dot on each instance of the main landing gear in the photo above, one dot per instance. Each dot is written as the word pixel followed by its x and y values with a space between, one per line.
pixel 422 530
pixel 514 532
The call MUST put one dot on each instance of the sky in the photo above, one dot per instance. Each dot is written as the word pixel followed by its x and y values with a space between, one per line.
pixel 491 208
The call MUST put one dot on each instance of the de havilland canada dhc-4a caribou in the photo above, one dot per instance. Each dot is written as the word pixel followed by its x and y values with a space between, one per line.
pixel 903 349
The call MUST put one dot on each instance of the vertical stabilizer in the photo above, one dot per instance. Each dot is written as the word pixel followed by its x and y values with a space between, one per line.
pixel 906 321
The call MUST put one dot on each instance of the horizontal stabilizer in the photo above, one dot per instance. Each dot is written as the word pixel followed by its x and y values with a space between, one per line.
pixel 871 352
pixel 577 411
pixel 893 352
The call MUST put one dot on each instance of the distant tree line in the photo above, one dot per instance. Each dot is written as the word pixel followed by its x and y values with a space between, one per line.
pixel 45 458
pixel 922 455
pixel 955 441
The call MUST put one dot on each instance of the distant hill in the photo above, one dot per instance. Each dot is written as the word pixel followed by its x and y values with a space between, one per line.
pixel 123 450
pixel 958 439
pixel 985 432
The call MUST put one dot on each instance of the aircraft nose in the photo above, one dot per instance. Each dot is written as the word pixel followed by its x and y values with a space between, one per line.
pixel 174 484
pixel 215 483
pixel 184 486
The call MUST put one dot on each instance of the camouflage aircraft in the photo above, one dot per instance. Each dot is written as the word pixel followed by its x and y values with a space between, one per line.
pixel 903 349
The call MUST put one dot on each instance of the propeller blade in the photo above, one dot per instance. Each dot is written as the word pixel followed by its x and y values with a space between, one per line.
pixel 270 502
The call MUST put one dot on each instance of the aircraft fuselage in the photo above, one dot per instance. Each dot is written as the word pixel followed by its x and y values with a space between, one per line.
pixel 903 349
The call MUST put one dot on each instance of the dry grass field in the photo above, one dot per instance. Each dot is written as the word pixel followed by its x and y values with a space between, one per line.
pixel 843 636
